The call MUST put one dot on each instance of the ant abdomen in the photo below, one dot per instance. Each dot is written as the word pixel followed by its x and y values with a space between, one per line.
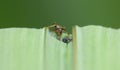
pixel 66 39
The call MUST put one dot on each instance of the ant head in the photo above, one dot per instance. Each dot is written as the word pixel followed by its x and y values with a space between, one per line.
pixel 56 25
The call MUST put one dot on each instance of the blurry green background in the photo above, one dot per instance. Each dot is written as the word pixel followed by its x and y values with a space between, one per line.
pixel 39 13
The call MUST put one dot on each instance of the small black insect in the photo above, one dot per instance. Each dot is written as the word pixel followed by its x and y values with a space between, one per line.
pixel 66 39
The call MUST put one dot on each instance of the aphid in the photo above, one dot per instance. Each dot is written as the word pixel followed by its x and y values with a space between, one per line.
pixel 67 39
pixel 57 29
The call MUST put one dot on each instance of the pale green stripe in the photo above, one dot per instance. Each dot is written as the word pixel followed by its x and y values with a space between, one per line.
pixel 79 49
pixel 98 48
pixel 21 49
pixel 57 54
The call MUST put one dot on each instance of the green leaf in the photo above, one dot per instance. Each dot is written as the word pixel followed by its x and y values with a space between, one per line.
pixel 21 49
pixel 97 48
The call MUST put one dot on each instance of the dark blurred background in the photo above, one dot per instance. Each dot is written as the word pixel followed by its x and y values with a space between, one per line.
pixel 40 13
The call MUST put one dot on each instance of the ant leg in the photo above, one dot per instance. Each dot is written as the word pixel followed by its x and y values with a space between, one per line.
pixel 51 26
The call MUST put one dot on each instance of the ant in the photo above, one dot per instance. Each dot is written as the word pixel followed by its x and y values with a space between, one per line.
pixel 57 29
